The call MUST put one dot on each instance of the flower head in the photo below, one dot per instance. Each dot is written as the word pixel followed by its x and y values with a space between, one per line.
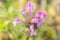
pixel 31 8
pixel 17 20
pixel 41 14
pixel 38 19
pixel 41 23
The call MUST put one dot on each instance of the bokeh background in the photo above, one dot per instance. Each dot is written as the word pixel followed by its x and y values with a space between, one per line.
pixel 9 11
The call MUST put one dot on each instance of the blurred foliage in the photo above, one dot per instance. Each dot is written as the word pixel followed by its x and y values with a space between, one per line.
pixel 9 11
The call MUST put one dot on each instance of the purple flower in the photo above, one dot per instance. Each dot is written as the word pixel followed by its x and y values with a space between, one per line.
pixel 41 23
pixel 34 20
pixel 32 30
pixel 17 20
pixel 31 8
pixel 24 12
pixel 32 27
pixel 41 14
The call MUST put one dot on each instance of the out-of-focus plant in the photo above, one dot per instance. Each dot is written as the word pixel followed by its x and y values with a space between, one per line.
pixel 25 23
pixel 32 22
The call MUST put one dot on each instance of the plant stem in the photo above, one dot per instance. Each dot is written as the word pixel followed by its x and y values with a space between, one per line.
pixel 27 38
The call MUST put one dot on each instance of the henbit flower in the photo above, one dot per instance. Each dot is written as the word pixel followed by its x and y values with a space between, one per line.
pixel 23 12
pixel 34 20
pixel 41 23
pixel 41 14
pixel 38 19
pixel 31 8
pixel 32 31
pixel 17 20
pixel 32 27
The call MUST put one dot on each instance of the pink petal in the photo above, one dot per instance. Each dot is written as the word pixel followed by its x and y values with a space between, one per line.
pixel 34 20
pixel 38 14
pixel 17 20
pixel 41 23
pixel 41 14
pixel 32 27
pixel 31 8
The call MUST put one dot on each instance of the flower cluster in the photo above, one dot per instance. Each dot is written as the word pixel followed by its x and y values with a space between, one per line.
pixel 31 21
